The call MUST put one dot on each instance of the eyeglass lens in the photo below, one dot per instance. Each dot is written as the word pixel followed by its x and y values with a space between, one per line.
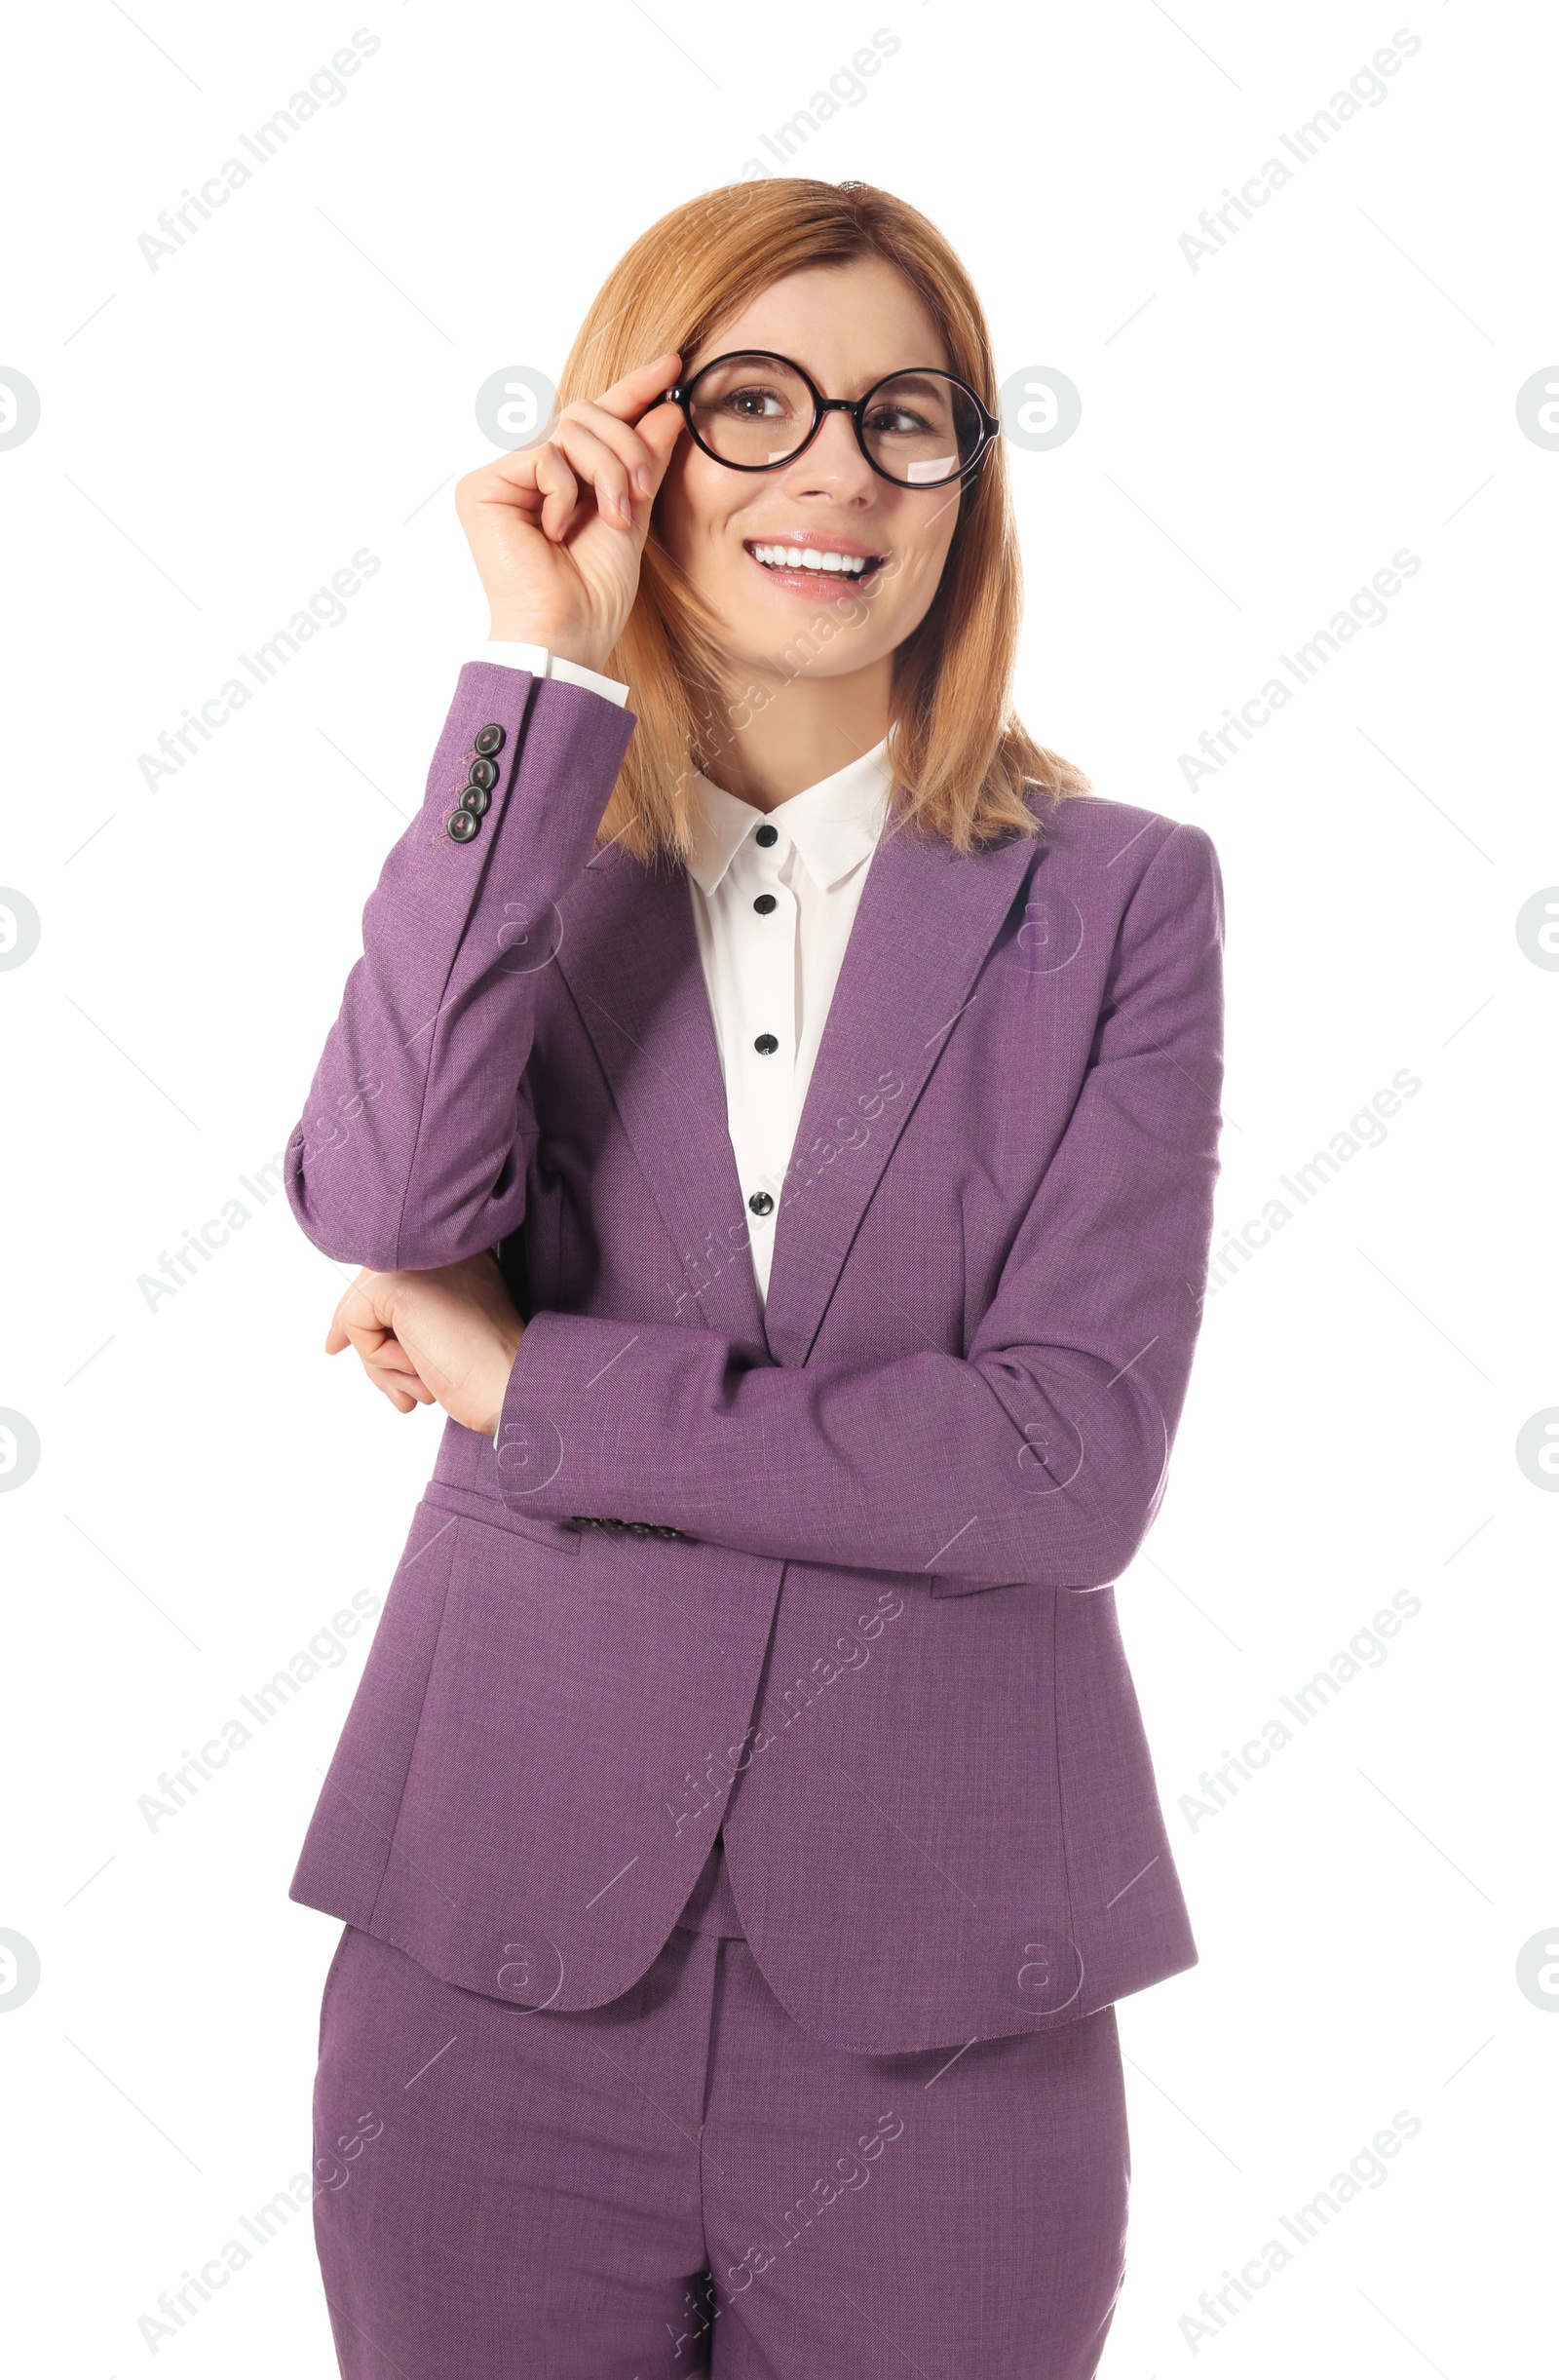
pixel 753 410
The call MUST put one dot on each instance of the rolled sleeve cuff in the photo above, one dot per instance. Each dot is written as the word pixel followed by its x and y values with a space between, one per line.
pixel 561 1443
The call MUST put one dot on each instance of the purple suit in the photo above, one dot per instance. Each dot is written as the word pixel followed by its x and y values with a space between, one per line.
pixel 876 1640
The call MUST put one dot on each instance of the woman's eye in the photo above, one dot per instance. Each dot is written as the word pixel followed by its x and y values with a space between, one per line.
pixel 752 405
pixel 899 421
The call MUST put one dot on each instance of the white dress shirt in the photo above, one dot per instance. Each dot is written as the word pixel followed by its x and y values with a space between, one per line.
pixel 770 974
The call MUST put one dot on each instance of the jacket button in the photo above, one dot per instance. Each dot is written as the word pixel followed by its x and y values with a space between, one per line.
pixel 477 800
pixel 462 826
pixel 767 836
pixel 489 740
pixel 764 904
pixel 484 772
pixel 761 1203
pixel 766 1044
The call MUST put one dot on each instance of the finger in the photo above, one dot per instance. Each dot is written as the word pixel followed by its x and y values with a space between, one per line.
pixel 659 432
pixel 599 468
pixel 633 451
pixel 514 475
pixel 510 480
pixel 560 490
pixel 390 1369
pixel 355 1301
pixel 623 503
pixel 391 1362
pixel 343 1335
pixel 628 396
pixel 367 1333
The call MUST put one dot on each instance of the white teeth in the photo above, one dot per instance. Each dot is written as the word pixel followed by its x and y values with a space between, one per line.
pixel 809 557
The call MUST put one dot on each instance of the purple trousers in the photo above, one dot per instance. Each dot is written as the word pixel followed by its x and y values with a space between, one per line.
pixel 684 2182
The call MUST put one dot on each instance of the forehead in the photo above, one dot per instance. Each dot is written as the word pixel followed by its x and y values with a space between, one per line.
pixel 847 325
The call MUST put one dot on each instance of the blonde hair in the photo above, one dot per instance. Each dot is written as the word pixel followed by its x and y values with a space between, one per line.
pixel 964 766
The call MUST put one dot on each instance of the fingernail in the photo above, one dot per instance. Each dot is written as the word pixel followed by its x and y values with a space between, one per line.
pixel 644 478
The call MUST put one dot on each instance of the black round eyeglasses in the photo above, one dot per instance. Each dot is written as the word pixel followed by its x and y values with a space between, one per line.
pixel 754 410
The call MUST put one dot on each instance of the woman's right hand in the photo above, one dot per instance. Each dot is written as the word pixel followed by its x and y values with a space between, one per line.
pixel 557 529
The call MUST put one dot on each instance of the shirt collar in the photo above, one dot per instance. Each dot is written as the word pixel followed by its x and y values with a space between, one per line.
pixel 834 824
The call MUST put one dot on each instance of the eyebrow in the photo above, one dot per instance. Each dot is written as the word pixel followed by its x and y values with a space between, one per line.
pixel 900 372
pixel 913 373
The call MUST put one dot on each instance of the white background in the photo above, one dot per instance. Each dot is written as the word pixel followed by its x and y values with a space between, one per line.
pixel 1258 437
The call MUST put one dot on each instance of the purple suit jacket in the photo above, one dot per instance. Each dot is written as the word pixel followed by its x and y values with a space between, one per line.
pixel 863 1618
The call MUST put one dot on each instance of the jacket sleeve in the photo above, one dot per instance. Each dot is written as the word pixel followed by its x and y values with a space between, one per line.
pixel 1041 1457
pixel 413 1148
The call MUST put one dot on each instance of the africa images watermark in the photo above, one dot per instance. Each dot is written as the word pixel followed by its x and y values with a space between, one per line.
pixel 848 1654
pixel 326 87
pixel 326 607
pixel 176 2307
pixel 1366 1649
pixel 176 1788
pixel 1364 1130
pixel 176 1271
pixel 1366 87
pixel 1365 610
pixel 846 88
pixel 1366 2170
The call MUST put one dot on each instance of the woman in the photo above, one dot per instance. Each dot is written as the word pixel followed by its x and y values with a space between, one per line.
pixel 780 1127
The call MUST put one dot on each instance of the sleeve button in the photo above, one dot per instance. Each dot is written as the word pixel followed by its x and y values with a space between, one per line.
pixel 463 827
pixel 489 740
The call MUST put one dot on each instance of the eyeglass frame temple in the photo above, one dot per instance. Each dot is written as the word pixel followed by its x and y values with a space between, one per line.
pixel 990 423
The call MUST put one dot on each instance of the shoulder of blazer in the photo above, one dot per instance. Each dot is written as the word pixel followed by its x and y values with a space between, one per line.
pixel 1119 841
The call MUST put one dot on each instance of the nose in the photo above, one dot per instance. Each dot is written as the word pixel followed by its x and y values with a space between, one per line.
pixel 833 465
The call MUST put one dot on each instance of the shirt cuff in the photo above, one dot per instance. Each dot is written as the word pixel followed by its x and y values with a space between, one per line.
pixel 540 664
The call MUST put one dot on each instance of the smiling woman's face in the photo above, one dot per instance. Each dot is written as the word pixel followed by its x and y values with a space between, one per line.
pixel 848 327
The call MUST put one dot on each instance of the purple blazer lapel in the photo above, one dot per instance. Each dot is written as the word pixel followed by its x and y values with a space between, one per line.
pixel 927 919
pixel 630 956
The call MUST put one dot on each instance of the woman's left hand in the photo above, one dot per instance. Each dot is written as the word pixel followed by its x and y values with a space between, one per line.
pixel 444 1337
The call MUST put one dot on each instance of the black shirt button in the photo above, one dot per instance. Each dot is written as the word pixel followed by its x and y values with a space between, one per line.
pixel 484 772
pixel 477 800
pixel 462 828
pixel 767 836
pixel 764 904
pixel 489 740
pixel 761 1203
pixel 766 1044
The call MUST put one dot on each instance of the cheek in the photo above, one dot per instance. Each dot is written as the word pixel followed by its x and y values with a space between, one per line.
pixel 925 559
pixel 694 513
pixel 925 544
